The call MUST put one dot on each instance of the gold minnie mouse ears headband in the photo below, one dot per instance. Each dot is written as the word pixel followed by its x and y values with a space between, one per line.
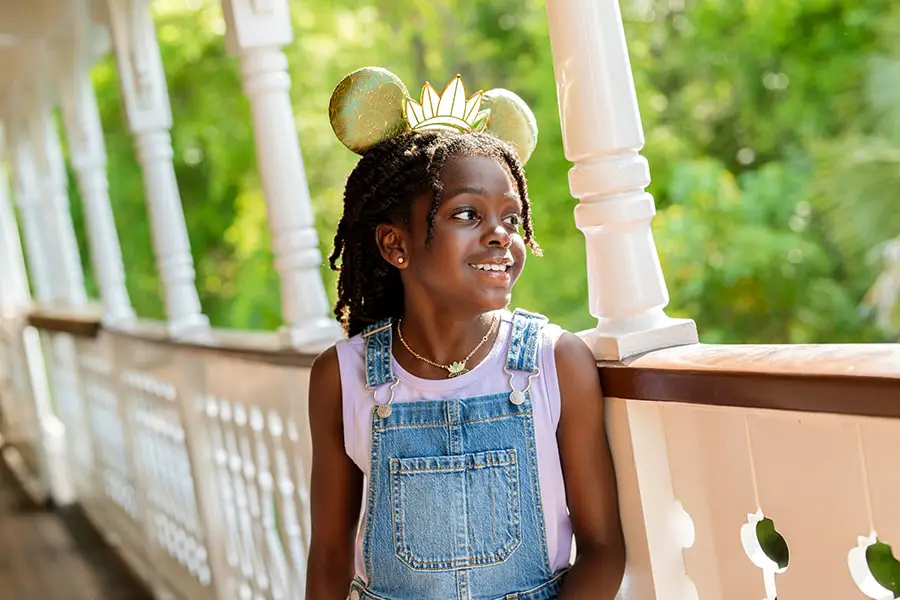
pixel 371 105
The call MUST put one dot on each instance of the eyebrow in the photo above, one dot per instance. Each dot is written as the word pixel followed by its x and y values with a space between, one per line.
pixel 477 191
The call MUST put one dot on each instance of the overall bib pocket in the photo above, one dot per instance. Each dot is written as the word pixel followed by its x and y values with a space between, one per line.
pixel 473 517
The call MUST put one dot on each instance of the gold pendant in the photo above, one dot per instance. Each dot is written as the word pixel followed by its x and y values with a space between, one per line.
pixel 457 368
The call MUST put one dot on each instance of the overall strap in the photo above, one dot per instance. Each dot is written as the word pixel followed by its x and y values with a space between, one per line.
pixel 379 369
pixel 523 341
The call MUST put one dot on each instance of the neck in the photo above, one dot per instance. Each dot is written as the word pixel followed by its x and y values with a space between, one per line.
pixel 444 337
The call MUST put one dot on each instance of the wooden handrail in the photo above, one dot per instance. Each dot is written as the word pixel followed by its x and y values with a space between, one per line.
pixel 84 322
pixel 857 379
pixel 854 379
pixel 253 346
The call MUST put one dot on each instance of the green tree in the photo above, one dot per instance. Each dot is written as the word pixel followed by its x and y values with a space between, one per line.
pixel 773 159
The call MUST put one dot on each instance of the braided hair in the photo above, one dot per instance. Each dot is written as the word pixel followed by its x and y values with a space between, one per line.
pixel 380 189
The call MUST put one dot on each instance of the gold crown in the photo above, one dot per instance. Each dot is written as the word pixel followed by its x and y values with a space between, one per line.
pixel 449 110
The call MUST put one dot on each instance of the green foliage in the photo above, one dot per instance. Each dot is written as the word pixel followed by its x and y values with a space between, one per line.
pixel 884 566
pixel 772 140
pixel 772 543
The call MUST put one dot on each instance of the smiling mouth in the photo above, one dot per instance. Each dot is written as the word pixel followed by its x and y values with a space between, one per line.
pixel 491 268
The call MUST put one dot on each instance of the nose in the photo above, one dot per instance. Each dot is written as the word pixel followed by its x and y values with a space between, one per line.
pixel 497 235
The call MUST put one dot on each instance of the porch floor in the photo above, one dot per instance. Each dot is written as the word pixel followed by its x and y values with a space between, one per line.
pixel 55 554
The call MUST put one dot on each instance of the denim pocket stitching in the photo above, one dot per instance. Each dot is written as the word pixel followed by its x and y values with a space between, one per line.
pixel 492 460
pixel 388 427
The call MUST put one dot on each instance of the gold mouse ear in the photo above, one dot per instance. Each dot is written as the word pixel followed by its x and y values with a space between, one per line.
pixel 367 107
pixel 511 120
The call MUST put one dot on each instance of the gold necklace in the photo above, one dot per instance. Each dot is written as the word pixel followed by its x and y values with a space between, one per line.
pixel 455 368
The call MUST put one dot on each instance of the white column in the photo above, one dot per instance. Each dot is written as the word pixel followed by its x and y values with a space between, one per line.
pixel 150 119
pixel 27 195
pixel 602 135
pixel 56 217
pixel 88 155
pixel 14 292
pixel 257 31
pixel 46 430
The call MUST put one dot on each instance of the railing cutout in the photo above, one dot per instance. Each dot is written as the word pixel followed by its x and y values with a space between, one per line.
pixel 764 545
pixel 874 569
pixel 872 565
pixel 766 548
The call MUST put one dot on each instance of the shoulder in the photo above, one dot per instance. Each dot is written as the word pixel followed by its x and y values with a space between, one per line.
pixel 325 373
pixel 341 354
pixel 570 355
pixel 335 356
pixel 576 370
pixel 571 352
pixel 325 405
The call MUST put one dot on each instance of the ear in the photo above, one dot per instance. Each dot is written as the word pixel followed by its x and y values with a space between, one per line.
pixel 392 243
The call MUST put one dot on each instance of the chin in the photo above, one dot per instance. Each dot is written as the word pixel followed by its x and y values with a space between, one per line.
pixel 495 301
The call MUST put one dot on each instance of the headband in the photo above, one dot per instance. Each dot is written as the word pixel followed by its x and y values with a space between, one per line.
pixel 371 105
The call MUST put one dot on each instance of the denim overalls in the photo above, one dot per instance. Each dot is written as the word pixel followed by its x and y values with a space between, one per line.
pixel 454 504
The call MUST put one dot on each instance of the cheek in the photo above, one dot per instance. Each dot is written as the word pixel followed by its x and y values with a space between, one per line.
pixel 518 246
pixel 517 249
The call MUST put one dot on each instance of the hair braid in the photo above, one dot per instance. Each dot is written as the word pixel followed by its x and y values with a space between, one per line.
pixel 380 190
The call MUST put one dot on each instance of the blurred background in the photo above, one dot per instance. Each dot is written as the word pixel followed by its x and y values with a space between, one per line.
pixel 772 130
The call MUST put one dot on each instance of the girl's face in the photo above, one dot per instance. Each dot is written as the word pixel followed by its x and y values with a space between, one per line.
pixel 477 252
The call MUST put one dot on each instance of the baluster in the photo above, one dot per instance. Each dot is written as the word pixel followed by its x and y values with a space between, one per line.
pixel 150 119
pixel 87 151
pixel 603 135
pixel 257 31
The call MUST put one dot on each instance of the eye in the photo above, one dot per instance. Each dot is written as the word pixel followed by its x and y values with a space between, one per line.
pixel 515 220
pixel 465 214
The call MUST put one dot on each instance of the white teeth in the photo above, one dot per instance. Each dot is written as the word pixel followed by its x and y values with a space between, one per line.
pixel 490 267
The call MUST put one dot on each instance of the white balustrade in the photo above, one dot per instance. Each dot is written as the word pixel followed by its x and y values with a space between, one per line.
pixel 199 465
pixel 177 544
pixel 20 425
pixel 56 218
pixel 59 252
pixel 76 453
pixel 22 433
pixel 258 31
pixel 744 503
pixel 27 196
pixel 115 504
pixel 149 114
pixel 37 442
pixel 254 424
pixel 655 567
pixel 603 135
pixel 201 455
pixel 14 294
pixel 88 155
pixel 824 480
pixel 18 420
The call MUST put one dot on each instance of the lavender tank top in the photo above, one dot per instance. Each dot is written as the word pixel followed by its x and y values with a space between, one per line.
pixel 486 378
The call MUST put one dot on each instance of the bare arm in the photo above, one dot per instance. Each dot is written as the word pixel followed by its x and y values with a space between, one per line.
pixel 589 476
pixel 336 491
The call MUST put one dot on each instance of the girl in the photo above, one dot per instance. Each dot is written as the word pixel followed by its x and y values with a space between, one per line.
pixel 457 446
